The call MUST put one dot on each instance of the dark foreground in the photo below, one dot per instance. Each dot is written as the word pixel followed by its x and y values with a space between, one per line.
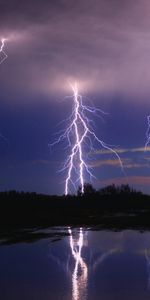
pixel 113 208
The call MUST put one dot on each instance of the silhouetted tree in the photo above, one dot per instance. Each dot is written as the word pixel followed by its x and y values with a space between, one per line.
pixel 125 189
pixel 108 190
pixel 88 190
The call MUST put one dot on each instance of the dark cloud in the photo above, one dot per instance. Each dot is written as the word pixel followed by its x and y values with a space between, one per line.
pixel 105 45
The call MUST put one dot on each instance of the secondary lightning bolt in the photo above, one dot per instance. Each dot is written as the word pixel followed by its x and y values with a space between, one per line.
pixel 147 134
pixel 80 133
pixel 2 51
pixel 1 61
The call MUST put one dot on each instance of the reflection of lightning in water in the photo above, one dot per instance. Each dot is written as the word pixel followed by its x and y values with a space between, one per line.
pixel 103 257
pixel 80 274
pixel 82 269
pixel 79 134
pixel 2 51
pixel 148 267
pixel 147 133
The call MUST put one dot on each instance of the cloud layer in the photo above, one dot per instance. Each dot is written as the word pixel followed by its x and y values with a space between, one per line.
pixel 105 45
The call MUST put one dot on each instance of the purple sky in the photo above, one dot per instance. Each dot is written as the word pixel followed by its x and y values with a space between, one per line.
pixel 102 44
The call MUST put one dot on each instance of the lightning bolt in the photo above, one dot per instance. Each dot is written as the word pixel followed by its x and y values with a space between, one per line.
pixel 2 51
pixel 1 61
pixel 79 134
pixel 147 133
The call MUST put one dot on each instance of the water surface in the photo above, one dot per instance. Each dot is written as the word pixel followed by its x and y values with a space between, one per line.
pixel 84 265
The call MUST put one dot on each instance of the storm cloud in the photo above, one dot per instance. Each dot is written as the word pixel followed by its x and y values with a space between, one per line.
pixel 104 45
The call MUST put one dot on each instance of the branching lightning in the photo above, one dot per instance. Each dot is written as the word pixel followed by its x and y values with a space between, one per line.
pixel 147 133
pixel 4 55
pixel 80 134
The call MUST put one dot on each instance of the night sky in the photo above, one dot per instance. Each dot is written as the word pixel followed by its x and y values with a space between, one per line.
pixel 104 45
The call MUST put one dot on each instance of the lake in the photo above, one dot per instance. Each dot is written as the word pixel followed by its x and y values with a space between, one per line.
pixel 78 264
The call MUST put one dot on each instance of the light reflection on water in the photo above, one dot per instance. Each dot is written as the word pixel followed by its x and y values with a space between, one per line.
pixel 111 246
pixel 80 273
pixel 148 267
pixel 86 265
pixel 81 268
